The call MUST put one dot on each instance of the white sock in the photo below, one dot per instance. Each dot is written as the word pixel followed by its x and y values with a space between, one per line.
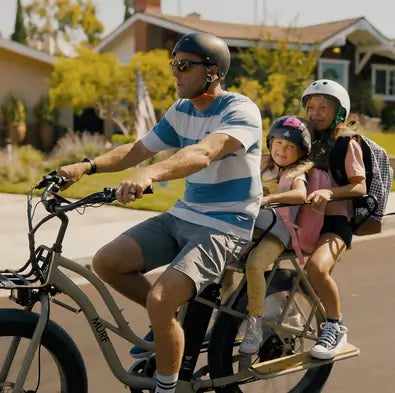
pixel 166 383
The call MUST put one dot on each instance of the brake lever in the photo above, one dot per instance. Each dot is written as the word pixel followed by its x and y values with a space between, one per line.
pixel 52 177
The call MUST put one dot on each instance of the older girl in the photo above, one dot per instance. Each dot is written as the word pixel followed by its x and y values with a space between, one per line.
pixel 327 106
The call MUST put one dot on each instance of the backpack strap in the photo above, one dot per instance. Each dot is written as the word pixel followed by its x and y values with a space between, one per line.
pixel 284 212
pixel 337 160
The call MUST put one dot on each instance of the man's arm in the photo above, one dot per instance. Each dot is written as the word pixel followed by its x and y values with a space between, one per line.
pixel 118 159
pixel 193 158
pixel 185 162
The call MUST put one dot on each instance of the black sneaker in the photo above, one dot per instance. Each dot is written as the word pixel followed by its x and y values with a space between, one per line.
pixel 332 340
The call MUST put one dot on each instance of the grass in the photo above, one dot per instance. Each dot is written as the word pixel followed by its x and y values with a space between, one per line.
pixel 384 139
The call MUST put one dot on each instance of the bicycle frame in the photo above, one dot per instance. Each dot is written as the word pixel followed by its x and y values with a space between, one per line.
pixel 100 326
pixel 57 281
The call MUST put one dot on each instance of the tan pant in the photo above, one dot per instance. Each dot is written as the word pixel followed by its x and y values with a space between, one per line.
pixel 261 259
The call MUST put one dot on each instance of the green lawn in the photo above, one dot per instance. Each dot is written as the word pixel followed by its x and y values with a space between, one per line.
pixel 386 140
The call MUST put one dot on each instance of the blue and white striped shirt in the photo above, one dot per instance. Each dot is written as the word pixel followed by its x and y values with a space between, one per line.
pixel 225 195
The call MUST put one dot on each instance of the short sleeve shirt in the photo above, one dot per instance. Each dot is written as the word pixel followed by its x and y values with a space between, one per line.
pixel 225 195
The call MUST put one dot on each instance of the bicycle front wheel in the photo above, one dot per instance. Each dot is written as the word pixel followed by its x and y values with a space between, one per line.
pixel 224 359
pixel 57 367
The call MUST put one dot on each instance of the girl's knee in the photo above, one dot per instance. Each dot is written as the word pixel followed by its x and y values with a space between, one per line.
pixel 316 270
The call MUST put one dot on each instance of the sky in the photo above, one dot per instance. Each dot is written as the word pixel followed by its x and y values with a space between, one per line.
pixel 381 13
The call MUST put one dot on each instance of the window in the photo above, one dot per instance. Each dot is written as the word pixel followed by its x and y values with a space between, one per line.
pixel 336 70
pixel 383 81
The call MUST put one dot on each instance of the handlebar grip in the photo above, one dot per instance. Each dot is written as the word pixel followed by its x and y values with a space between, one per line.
pixel 52 177
pixel 111 191
pixel 149 190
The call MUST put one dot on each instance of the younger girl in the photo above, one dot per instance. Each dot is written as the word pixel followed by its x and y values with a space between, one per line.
pixel 289 144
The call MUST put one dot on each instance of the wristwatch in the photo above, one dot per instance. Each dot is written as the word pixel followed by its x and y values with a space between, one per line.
pixel 92 164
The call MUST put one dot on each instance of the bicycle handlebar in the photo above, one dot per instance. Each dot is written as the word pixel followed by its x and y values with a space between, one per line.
pixel 366 197
pixel 52 183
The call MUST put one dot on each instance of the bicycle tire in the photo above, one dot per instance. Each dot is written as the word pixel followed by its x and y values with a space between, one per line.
pixel 22 323
pixel 221 347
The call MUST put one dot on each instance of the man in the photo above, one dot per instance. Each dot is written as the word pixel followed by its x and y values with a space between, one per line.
pixel 219 139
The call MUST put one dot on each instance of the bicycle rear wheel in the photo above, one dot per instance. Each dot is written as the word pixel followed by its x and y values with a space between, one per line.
pixel 224 361
pixel 61 364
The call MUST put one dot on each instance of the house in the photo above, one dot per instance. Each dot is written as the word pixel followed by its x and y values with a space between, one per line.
pixel 352 52
pixel 23 73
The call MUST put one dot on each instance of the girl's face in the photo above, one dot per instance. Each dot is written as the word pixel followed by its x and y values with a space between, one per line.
pixel 284 152
pixel 321 112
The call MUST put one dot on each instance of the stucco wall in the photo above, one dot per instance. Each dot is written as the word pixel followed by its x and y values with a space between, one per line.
pixel 123 47
pixel 24 78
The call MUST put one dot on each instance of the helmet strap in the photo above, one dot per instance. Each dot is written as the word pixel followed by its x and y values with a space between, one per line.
pixel 210 78
pixel 339 118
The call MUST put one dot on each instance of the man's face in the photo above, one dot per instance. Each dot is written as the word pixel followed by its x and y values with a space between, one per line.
pixel 190 77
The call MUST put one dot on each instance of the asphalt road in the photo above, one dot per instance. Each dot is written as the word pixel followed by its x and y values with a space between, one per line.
pixel 366 280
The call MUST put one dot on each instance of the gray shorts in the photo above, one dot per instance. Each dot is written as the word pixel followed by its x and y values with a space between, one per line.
pixel 197 251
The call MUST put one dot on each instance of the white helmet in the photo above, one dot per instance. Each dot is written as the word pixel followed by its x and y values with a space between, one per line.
pixel 329 88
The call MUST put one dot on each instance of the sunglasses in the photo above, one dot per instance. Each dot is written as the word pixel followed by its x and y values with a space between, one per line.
pixel 183 65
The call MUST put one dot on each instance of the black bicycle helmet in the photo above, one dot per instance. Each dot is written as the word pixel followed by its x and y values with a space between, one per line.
pixel 291 128
pixel 212 49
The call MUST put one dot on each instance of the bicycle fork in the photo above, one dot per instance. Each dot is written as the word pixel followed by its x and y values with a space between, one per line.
pixel 33 346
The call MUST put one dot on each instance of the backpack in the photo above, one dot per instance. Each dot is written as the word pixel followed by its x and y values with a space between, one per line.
pixel 367 218
pixel 306 229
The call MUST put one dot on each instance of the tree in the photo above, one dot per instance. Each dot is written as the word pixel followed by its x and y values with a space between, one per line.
pixel 98 80
pixel 280 75
pixel 19 34
pixel 67 20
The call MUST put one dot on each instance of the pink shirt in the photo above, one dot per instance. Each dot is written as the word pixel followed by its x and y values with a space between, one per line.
pixel 354 167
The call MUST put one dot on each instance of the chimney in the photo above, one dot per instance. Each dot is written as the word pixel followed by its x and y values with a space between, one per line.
pixel 141 5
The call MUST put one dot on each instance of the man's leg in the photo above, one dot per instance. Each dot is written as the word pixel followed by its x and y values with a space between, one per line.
pixel 171 290
pixel 118 263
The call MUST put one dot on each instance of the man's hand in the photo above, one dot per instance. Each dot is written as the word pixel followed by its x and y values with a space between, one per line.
pixel 73 172
pixel 134 187
pixel 319 199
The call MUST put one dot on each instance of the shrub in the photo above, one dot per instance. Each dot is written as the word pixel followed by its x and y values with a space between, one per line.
pixel 13 111
pixel 22 164
pixel 120 139
pixel 74 147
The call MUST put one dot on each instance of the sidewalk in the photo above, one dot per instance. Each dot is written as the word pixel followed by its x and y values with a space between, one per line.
pixel 84 236
pixel 88 232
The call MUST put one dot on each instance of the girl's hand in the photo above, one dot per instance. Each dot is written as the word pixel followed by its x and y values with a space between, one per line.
pixel 266 200
pixel 319 198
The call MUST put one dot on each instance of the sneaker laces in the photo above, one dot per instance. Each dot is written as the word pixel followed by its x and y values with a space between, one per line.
pixel 330 332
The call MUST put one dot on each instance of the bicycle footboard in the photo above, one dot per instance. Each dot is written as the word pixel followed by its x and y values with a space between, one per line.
pixel 298 362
